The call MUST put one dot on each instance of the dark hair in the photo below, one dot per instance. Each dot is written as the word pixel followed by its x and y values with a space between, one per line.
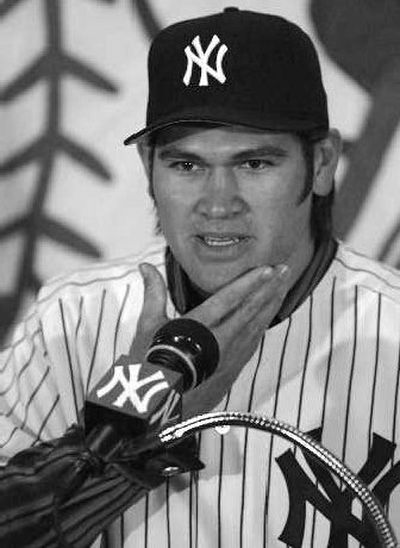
pixel 321 212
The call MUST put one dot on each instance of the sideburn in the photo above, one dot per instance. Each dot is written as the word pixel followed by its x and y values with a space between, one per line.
pixel 307 147
pixel 321 209
pixel 150 187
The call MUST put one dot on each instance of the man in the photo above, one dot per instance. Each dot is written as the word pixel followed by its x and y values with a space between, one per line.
pixel 241 162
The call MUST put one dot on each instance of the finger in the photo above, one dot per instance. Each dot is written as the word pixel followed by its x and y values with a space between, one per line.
pixel 267 295
pixel 154 310
pixel 242 297
pixel 267 299
pixel 230 296
pixel 258 310
pixel 264 315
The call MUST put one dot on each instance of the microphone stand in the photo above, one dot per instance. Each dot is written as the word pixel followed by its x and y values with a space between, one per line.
pixel 384 531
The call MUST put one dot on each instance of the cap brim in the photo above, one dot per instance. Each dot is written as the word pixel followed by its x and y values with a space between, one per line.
pixel 252 120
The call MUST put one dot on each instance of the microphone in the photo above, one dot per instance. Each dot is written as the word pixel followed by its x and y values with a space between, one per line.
pixel 133 399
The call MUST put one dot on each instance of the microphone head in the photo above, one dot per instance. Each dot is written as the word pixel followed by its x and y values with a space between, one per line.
pixel 187 346
pixel 132 396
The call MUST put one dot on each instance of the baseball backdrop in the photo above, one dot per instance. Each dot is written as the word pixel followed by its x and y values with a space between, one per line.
pixel 73 84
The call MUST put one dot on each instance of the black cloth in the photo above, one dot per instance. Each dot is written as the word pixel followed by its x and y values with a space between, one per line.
pixel 60 494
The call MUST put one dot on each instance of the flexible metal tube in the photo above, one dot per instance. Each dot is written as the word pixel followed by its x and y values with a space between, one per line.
pixel 326 458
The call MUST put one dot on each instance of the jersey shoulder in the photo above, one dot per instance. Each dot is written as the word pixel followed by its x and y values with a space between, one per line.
pixel 354 268
pixel 108 275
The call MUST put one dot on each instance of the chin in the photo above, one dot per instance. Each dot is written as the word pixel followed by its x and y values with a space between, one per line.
pixel 215 280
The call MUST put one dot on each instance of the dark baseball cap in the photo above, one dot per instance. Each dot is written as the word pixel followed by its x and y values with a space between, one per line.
pixel 236 68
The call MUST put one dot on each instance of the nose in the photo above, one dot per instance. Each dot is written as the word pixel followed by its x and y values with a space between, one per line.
pixel 221 196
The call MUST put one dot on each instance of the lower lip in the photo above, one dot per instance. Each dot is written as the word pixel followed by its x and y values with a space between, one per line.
pixel 222 251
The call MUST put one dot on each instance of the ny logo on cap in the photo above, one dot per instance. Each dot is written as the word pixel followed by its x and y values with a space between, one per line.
pixel 201 57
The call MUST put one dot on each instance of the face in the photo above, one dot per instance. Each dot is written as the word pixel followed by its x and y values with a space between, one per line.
pixel 228 200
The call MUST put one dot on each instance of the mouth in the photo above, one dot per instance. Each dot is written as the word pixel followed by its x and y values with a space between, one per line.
pixel 220 241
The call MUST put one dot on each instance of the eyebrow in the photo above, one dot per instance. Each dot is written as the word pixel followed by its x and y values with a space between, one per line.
pixel 175 152
pixel 251 152
pixel 263 150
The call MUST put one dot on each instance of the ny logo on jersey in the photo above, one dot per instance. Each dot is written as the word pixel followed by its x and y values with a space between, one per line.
pixel 131 385
pixel 333 501
pixel 201 58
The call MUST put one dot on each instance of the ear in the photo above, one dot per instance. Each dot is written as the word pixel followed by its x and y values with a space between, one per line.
pixel 326 156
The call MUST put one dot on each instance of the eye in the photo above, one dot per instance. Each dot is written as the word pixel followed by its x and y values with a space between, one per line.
pixel 256 164
pixel 184 166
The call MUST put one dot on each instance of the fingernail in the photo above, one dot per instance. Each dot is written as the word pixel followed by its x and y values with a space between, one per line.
pixel 283 271
pixel 266 272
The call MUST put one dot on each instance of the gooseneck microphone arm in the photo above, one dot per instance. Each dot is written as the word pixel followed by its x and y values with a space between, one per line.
pixel 371 504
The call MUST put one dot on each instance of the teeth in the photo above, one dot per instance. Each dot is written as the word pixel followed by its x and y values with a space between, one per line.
pixel 220 241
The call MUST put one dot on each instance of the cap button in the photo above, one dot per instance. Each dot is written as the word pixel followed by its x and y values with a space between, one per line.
pixel 229 9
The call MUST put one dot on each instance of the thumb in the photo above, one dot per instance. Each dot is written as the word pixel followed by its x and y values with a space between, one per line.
pixel 154 310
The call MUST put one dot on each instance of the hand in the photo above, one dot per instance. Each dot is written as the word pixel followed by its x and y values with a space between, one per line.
pixel 237 315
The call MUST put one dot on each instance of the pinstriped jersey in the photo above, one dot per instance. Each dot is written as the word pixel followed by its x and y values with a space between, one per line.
pixel 331 368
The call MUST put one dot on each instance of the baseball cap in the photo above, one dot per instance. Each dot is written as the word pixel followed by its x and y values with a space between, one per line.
pixel 235 67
